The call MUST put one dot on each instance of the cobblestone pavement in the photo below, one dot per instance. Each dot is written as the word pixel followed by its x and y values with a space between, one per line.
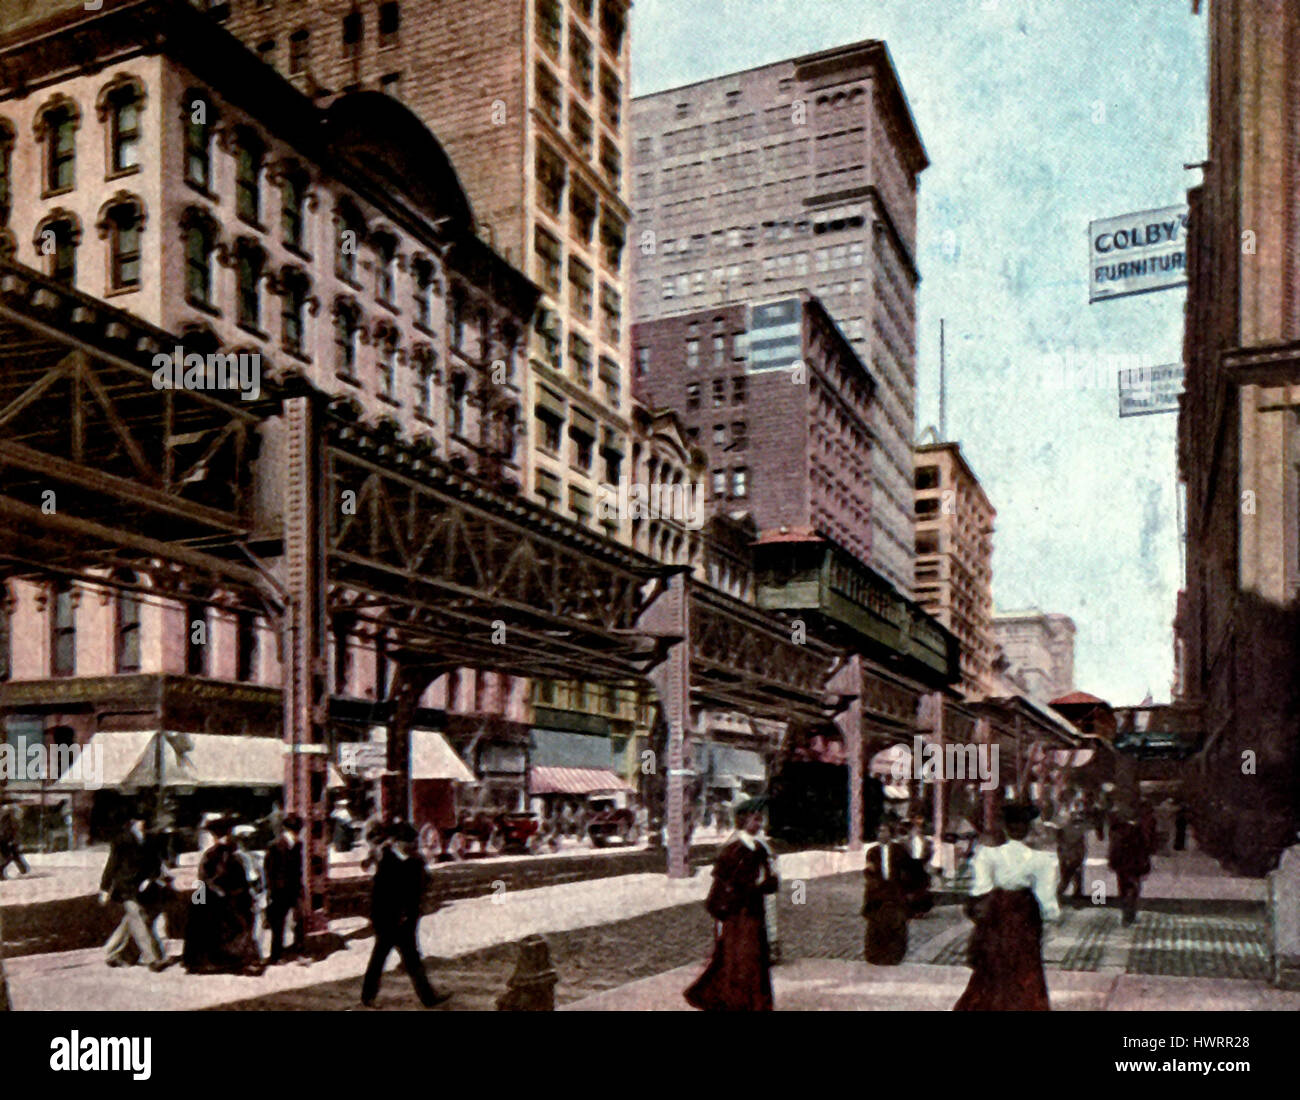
pixel 826 925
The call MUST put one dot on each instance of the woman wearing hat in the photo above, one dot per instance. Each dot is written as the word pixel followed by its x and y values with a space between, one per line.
pixel 1014 891
pixel 738 977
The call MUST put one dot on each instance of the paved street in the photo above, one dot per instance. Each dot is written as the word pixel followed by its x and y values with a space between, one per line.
pixel 634 941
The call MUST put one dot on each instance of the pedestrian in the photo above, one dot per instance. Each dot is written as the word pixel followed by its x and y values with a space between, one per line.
pixel 1071 853
pixel 134 878
pixel 283 866
pixel 395 914
pixel 10 851
pixel 884 901
pixel 1130 858
pixel 1013 892
pixel 738 977
pixel 244 835
pixel 219 931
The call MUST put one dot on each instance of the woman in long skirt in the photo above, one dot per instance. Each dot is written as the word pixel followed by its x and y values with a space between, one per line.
pixel 738 977
pixel 884 901
pixel 1013 893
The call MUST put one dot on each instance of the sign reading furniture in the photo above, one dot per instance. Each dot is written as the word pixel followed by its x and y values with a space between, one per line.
pixel 1137 253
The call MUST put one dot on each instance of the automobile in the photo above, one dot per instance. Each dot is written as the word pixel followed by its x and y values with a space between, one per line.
pixel 494 833
pixel 611 816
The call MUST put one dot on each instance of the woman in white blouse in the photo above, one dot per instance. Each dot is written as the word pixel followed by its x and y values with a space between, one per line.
pixel 1014 891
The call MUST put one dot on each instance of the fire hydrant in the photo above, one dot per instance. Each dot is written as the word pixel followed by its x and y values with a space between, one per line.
pixel 532 986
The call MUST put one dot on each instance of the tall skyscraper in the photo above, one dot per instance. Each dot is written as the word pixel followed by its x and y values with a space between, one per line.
pixel 528 99
pixel 795 177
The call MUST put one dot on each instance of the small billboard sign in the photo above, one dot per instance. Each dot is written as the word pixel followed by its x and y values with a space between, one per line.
pixel 1137 253
pixel 1147 390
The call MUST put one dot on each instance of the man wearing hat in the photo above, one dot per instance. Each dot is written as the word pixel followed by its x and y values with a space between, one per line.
pixel 738 978
pixel 1129 857
pixel 395 914
pixel 1014 891
pixel 131 878
pixel 283 869
pixel 10 852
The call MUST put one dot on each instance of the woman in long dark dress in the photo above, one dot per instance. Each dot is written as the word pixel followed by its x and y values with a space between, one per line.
pixel 1013 893
pixel 219 931
pixel 884 900
pixel 738 977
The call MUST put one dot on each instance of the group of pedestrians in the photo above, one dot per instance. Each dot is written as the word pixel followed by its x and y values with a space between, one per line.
pixel 235 896
pixel 1015 890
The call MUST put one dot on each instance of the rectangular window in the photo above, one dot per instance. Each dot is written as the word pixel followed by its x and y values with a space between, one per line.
pixel 63 632
pixel 551 430
pixel 293 200
pixel 127 657
pixel 611 91
pixel 642 361
pixel 548 261
pixel 197 629
pixel 719 484
pixel 580 130
pixel 549 95
pixel 719 392
pixel 299 51
pixel 60 149
pixel 550 181
pixel 549 26
pixel 611 313
pixel 739 481
pixel 390 24
pixel 692 395
pixel 738 390
pixel 352 31
pixel 126 130
pixel 246 646
pixel 579 287
pixel 580 63
pixel 248 178
pixel 582 208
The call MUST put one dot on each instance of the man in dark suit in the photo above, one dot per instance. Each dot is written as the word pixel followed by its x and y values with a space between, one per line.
pixel 134 878
pixel 395 915
pixel 283 871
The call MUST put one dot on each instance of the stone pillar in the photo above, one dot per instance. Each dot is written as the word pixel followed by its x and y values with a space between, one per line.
pixel 848 681
pixel 305 689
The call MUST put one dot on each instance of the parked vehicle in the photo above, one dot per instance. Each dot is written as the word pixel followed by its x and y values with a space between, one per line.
pixel 493 833
pixel 611 816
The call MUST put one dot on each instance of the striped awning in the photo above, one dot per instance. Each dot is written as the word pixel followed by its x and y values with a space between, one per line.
pixel 542 780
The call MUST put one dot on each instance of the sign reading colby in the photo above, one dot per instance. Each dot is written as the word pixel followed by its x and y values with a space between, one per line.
pixel 1137 253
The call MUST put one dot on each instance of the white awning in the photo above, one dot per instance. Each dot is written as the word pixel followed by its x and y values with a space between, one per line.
pixel 431 756
pixel 107 757
pixel 130 761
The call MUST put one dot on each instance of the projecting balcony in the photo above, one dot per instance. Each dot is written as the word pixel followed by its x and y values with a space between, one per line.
pixel 808 576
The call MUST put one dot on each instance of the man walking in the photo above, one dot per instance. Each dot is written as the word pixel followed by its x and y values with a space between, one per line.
pixel 133 878
pixel 395 915
pixel 1071 852
pixel 1129 858
pixel 10 852
pixel 283 871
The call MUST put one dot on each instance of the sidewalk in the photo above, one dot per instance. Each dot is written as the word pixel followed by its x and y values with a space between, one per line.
pixel 819 985
pixel 75 979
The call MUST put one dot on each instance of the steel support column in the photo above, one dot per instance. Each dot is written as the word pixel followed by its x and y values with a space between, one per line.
pixel 409 685
pixel 984 738
pixel 305 689
pixel 848 681
pixel 672 681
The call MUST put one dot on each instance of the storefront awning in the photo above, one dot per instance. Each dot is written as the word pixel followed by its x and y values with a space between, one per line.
pixel 543 780
pixel 433 758
pixel 131 761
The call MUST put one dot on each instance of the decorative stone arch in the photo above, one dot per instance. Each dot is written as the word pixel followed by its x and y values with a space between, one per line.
pixel 103 222
pixel 58 214
pixel 119 83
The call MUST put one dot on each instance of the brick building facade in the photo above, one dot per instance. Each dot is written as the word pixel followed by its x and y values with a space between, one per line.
pixel 954 558
pixel 781 405
pixel 1239 440
pixel 797 177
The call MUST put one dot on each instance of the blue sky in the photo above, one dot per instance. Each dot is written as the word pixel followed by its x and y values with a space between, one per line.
pixel 1039 116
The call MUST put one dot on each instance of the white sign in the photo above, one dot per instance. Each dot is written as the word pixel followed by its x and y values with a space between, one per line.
pixel 1146 390
pixel 1137 253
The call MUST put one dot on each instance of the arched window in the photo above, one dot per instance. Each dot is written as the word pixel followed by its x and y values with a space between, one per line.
pixel 426 373
pixel 119 107
pixel 56 239
pixel 350 231
pixel 123 223
pixel 347 330
pixel 200 118
pixel 6 170
pixel 388 364
pixel 426 290
pixel 250 261
pixel 293 311
pixel 293 207
pixel 385 248
pixel 56 128
pixel 459 389
pixel 249 154
pixel 200 244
